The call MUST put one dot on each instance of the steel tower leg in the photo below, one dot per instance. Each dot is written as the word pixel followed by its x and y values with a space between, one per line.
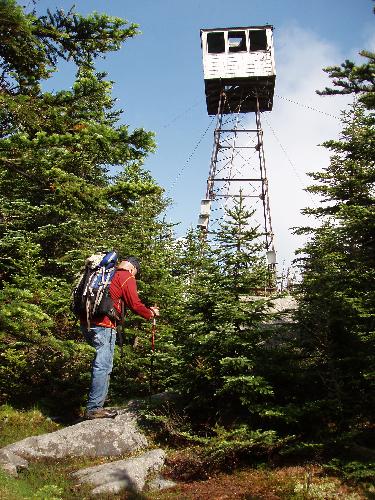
pixel 268 231
pixel 232 165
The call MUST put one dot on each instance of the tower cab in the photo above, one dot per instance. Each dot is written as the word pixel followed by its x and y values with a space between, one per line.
pixel 239 61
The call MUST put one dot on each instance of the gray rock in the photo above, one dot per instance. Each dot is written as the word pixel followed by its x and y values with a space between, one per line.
pixel 91 438
pixel 11 463
pixel 121 475
pixel 10 469
pixel 159 483
pixel 164 397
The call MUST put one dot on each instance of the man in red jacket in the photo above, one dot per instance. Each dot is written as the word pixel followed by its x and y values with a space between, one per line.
pixel 102 334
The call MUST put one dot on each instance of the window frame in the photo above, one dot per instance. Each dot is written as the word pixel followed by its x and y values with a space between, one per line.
pixel 216 33
pixel 245 38
pixel 266 37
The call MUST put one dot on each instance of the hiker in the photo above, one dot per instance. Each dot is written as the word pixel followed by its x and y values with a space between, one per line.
pixel 101 334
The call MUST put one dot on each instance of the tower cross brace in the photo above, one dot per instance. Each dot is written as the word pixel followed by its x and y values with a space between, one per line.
pixel 233 171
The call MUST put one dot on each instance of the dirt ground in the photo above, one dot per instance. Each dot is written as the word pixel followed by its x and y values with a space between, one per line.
pixel 252 484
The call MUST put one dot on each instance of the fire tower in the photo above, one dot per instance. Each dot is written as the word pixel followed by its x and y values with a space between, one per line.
pixel 239 77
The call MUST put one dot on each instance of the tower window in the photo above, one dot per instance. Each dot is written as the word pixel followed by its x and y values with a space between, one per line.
pixel 258 40
pixel 237 41
pixel 215 42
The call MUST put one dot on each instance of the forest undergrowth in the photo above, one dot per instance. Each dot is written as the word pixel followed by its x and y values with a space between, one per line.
pixel 198 472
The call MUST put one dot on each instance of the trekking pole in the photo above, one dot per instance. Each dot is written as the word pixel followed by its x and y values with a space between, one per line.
pixel 153 331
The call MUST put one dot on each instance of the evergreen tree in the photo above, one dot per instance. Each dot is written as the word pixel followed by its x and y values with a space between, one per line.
pixel 351 78
pixel 239 250
pixel 32 45
pixel 222 331
pixel 337 301
pixel 60 200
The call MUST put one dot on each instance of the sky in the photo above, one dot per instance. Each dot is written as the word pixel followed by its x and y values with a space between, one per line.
pixel 159 83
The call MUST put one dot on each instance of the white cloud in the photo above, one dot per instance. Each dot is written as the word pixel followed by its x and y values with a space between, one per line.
pixel 369 40
pixel 293 132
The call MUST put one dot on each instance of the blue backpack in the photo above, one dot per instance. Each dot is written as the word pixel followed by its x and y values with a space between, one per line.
pixel 91 295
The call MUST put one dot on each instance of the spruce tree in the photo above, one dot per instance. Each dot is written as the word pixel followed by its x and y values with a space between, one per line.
pixel 71 183
pixel 337 292
pixel 350 78
pixel 223 330
pixel 337 296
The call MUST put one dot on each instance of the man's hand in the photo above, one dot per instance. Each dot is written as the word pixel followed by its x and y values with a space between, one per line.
pixel 155 310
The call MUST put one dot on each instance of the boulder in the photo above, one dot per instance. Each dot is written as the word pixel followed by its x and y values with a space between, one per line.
pixel 97 438
pixel 159 483
pixel 12 463
pixel 130 474
pixel 90 438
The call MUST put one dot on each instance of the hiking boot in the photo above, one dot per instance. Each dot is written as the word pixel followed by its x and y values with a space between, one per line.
pixel 100 413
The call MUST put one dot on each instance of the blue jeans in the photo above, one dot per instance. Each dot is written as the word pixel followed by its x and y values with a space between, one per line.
pixel 103 339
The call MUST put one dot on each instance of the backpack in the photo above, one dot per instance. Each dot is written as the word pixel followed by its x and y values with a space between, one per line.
pixel 91 295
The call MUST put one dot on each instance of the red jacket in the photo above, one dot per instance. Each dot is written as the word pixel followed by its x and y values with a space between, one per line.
pixel 124 287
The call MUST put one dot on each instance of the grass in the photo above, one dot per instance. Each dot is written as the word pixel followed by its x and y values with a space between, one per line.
pixel 51 479
pixel 16 425
pixel 45 480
